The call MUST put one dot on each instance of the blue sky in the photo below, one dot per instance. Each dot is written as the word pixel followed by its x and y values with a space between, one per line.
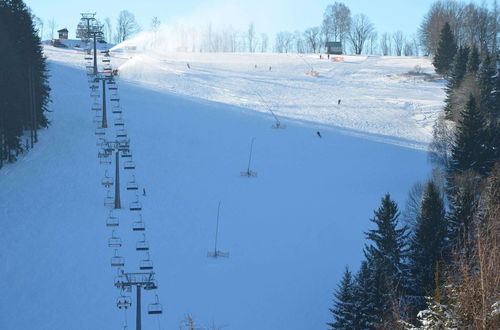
pixel 269 16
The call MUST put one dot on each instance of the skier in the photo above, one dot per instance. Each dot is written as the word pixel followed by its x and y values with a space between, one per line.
pixel 143 191
pixel 339 102
pixel 269 68
pixel 189 67
pixel 318 133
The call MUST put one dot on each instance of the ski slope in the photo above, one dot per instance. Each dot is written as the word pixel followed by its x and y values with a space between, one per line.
pixel 290 231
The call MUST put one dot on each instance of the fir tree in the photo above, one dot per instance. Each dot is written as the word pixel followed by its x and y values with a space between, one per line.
pixel 24 90
pixel 469 151
pixel 365 296
pixel 457 74
pixel 473 61
pixel 343 310
pixel 427 244
pixel 386 255
pixel 446 50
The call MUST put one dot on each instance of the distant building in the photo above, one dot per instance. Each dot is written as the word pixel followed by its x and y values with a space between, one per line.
pixel 333 47
pixel 63 33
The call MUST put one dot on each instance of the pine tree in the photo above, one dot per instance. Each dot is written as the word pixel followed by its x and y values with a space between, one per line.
pixel 427 244
pixel 343 310
pixel 386 255
pixel 473 61
pixel 469 152
pixel 365 296
pixel 24 83
pixel 446 51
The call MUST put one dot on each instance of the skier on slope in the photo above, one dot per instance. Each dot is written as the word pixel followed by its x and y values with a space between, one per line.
pixel 318 133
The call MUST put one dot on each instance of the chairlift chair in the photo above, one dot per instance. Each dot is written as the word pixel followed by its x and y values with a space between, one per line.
pixel 89 58
pixel 146 264
pixel 151 285
pixel 155 308
pixel 97 119
pixel 116 109
pixel 135 205
pixel 112 220
pixel 96 106
pixel 106 60
pixel 132 184
pixel 142 245
pixel 100 131
pixel 117 260
pixel 107 181
pixel 129 165
pixel 109 200
pixel 121 133
pixel 113 88
pixel 126 154
pixel 139 225
pixel 123 302
pixel 114 241
pixel 114 99
pixel 119 121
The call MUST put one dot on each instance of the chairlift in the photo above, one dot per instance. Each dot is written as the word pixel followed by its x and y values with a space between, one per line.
pixel 109 200
pixel 142 245
pixel 155 308
pixel 111 82
pixel 129 165
pixel 146 264
pixel 113 88
pixel 132 184
pixel 121 133
pixel 103 153
pixel 89 58
pixel 100 131
pixel 95 93
pixel 123 302
pixel 135 205
pixel 112 220
pixel 120 279
pixel 107 181
pixel 139 225
pixel 107 67
pixel 105 161
pixel 117 260
pixel 114 99
pixel 114 241
pixel 116 109
pixel 100 142
pixel 106 60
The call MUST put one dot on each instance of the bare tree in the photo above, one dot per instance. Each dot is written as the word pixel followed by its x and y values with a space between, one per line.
pixel 408 49
pixel 312 37
pixel 126 26
pixel 155 27
pixel 385 43
pixel 372 42
pixel 39 25
pixel 300 46
pixel 251 38
pixel 399 41
pixel 336 23
pixel 263 42
pixel 361 29
pixel 109 29
pixel 52 27
pixel 283 42
pixel 430 29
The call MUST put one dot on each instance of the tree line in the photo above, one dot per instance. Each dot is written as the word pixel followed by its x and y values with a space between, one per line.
pixel 24 88
pixel 439 266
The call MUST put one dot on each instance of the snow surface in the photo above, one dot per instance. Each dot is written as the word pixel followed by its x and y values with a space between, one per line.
pixel 290 231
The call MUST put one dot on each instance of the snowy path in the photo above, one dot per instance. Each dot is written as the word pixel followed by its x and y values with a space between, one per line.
pixel 290 231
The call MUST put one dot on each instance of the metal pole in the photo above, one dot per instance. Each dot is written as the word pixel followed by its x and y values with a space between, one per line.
pixel 104 118
pixel 217 229
pixel 95 53
pixel 117 180
pixel 138 313
pixel 250 158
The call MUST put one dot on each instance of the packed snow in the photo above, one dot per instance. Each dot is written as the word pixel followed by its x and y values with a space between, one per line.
pixel 289 231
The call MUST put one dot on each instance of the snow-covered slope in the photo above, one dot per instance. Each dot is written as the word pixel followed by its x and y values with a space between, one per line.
pixel 290 231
